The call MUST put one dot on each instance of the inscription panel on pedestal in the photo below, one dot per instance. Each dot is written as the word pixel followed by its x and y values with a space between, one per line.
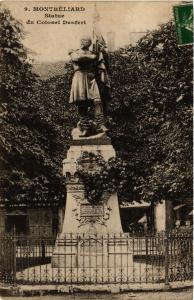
pixel 87 210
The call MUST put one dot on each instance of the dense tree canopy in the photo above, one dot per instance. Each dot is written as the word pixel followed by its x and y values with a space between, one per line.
pixel 32 129
pixel 149 116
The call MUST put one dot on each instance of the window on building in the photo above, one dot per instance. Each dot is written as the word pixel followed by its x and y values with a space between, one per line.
pixel 17 222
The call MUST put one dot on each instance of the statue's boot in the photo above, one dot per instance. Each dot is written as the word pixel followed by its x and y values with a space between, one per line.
pixel 99 117
pixel 84 126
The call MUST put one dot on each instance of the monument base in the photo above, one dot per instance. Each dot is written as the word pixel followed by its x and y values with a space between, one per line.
pixel 93 252
pixel 96 239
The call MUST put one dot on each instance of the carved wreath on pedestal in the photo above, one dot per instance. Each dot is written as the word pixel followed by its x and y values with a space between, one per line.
pixel 95 214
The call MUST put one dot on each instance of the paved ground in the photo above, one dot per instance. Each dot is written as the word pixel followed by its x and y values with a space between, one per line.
pixel 178 295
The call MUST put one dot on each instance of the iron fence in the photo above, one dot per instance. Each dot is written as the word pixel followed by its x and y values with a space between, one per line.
pixel 94 258
pixel 180 255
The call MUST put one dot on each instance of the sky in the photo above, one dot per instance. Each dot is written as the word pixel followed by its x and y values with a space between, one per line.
pixel 51 42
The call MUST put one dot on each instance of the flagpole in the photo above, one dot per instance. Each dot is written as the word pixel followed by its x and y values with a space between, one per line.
pixel 93 30
pixel 96 19
pixel 94 10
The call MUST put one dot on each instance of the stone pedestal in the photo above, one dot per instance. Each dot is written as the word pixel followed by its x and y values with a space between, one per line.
pixel 88 231
pixel 80 215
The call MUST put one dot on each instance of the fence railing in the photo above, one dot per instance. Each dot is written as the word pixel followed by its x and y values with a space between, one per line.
pixel 94 258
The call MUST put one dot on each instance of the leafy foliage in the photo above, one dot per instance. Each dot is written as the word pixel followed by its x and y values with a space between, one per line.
pixel 32 130
pixel 100 176
pixel 151 115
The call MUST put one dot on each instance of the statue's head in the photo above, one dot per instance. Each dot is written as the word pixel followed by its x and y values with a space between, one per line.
pixel 85 42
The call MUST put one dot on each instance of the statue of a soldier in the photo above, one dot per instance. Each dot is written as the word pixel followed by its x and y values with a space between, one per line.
pixel 88 86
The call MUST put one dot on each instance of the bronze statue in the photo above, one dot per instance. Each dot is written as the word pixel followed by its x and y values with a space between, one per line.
pixel 87 87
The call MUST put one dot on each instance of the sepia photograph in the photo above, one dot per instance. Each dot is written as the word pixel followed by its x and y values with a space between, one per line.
pixel 96 150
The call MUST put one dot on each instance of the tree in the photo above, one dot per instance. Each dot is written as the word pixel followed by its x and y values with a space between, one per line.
pixel 151 115
pixel 16 88
pixel 31 135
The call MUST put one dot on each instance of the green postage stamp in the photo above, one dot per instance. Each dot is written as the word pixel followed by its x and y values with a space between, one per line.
pixel 183 15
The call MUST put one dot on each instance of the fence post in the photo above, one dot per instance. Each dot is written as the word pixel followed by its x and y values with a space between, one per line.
pixel 166 260
pixel 147 259
pixel 14 255
pixel 43 248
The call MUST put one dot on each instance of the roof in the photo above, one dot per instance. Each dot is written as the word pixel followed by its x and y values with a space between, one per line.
pixel 16 213
pixel 134 204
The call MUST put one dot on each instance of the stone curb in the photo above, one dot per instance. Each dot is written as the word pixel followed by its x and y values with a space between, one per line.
pixel 40 290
